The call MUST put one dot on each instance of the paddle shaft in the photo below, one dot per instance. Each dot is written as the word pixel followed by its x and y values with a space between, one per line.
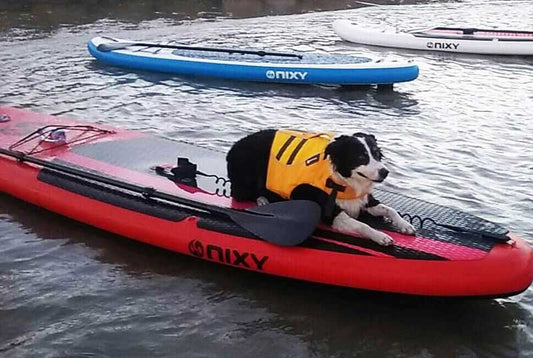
pixel 120 45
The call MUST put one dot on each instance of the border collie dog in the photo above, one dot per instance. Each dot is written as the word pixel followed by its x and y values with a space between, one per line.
pixel 338 173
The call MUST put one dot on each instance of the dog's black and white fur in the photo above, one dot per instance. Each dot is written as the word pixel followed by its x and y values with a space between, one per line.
pixel 355 161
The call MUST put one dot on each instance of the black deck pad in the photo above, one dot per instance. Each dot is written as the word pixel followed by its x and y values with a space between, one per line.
pixel 142 154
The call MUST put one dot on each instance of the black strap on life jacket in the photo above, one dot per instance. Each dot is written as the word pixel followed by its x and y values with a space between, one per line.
pixel 295 151
pixel 329 208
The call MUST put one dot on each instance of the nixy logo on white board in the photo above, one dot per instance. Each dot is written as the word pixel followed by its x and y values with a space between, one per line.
pixel 443 45
pixel 286 75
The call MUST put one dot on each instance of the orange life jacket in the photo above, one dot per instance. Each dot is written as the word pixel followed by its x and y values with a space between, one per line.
pixel 298 158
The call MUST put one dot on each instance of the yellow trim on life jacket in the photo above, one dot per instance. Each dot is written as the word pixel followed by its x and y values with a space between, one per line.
pixel 298 158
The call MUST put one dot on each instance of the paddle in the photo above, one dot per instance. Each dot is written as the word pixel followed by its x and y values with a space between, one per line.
pixel 123 44
pixel 285 223
pixel 484 234
pixel 498 237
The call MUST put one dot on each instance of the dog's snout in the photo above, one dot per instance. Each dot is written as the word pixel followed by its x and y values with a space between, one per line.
pixel 383 172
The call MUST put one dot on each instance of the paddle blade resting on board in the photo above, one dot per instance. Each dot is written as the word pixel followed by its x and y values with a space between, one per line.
pixel 285 223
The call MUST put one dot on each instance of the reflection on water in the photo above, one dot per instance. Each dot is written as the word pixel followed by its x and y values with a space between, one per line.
pixel 49 15
pixel 459 135
pixel 35 18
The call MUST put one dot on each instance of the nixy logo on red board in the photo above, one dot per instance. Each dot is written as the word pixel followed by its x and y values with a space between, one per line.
pixel 227 256
pixel 196 248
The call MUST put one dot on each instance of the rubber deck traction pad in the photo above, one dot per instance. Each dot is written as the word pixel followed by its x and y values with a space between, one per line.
pixel 441 214
pixel 393 250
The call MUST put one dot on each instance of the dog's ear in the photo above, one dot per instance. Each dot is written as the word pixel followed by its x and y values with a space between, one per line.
pixel 335 151
pixel 374 147
pixel 364 135
pixel 372 143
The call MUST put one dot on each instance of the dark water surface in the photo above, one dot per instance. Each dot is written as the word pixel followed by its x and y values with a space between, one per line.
pixel 460 135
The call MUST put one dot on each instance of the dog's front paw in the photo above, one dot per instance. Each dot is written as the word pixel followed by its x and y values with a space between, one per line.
pixel 381 238
pixel 405 228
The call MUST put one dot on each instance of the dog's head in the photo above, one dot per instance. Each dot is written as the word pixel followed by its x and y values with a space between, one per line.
pixel 357 158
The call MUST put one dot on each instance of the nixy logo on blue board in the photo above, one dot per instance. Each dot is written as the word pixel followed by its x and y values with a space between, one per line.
pixel 286 75
pixel 227 256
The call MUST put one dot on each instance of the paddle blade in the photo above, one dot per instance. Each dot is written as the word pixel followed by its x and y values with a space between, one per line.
pixel 285 223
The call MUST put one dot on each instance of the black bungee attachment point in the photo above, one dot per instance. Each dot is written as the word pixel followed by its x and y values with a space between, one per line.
pixel 186 173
